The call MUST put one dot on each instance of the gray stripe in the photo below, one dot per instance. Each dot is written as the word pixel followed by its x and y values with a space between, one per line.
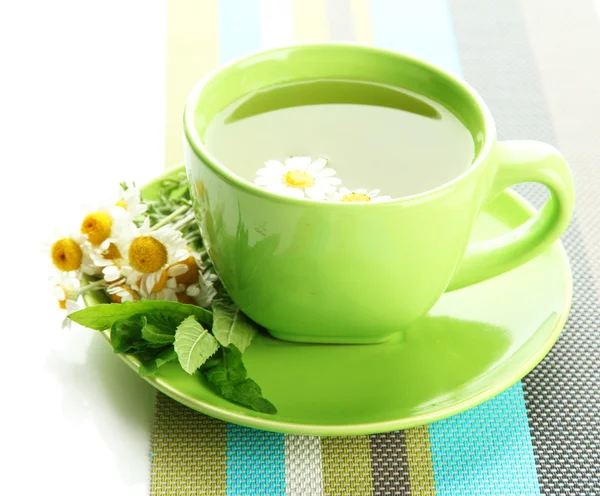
pixel 341 20
pixel 565 39
pixel 390 464
pixel 303 471
pixel 562 393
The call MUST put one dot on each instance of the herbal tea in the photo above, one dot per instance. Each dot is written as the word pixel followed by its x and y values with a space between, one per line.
pixel 347 139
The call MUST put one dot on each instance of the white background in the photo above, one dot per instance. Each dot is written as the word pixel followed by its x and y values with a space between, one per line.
pixel 81 108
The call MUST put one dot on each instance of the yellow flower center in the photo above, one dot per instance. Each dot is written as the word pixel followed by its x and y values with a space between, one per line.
pixel 97 227
pixel 66 254
pixel 147 254
pixel 112 252
pixel 191 276
pixel 356 197
pixel 62 304
pixel 298 179
pixel 121 203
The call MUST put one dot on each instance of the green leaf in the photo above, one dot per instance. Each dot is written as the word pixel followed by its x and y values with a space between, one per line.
pixel 179 192
pixel 193 344
pixel 126 335
pixel 230 325
pixel 229 377
pixel 152 360
pixel 101 317
pixel 159 329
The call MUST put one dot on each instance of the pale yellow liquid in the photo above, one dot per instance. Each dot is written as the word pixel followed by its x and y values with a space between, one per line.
pixel 374 136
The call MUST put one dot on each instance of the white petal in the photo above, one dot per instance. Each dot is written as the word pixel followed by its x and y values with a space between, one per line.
pixel 326 173
pixel 177 270
pixel 193 290
pixel 344 191
pixel 145 227
pixel 274 165
pixel 111 273
pixel 181 254
pixel 381 199
pixel 171 283
pixel 373 193
pixel 126 296
pixel 293 192
pixel 297 163
pixel 58 293
pixel 138 209
pixel 317 165
pixel 315 192
pixel 151 280
pixel 72 306
pixel 361 191
pixel 329 180
pixel 118 212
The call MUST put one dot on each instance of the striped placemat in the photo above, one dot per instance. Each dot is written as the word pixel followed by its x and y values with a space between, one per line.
pixel 536 63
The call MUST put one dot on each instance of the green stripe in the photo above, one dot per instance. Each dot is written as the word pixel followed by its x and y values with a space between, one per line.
pixel 346 465
pixel 188 453
pixel 420 466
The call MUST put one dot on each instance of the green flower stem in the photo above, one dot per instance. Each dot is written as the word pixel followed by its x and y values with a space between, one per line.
pixel 93 285
pixel 181 210
pixel 180 224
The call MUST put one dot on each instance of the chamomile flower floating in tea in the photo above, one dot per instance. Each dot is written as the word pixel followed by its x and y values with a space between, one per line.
pixel 299 177
pixel 359 195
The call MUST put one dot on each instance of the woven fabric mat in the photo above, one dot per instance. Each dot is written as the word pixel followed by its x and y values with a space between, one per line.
pixel 536 63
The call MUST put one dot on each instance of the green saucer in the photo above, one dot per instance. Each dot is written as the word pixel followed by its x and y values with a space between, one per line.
pixel 474 344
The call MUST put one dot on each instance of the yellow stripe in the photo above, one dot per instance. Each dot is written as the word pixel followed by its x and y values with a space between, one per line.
pixel 189 451
pixel 362 20
pixel 420 465
pixel 192 50
pixel 310 20
pixel 347 465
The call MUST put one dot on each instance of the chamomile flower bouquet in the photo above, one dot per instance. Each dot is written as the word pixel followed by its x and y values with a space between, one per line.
pixel 164 303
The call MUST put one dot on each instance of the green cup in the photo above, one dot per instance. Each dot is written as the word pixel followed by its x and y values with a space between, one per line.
pixel 321 272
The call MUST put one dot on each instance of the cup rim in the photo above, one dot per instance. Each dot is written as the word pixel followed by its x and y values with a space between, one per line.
pixel 215 165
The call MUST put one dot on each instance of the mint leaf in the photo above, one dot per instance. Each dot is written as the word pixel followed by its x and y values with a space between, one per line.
pixel 101 317
pixel 126 335
pixel 152 360
pixel 229 377
pixel 230 325
pixel 193 344
pixel 159 329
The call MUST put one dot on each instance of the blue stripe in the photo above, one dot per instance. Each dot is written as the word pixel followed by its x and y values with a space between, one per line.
pixel 239 28
pixel 255 462
pixel 486 450
pixel 255 459
pixel 423 29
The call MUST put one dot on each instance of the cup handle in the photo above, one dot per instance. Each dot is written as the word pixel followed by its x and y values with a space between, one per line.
pixel 521 161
